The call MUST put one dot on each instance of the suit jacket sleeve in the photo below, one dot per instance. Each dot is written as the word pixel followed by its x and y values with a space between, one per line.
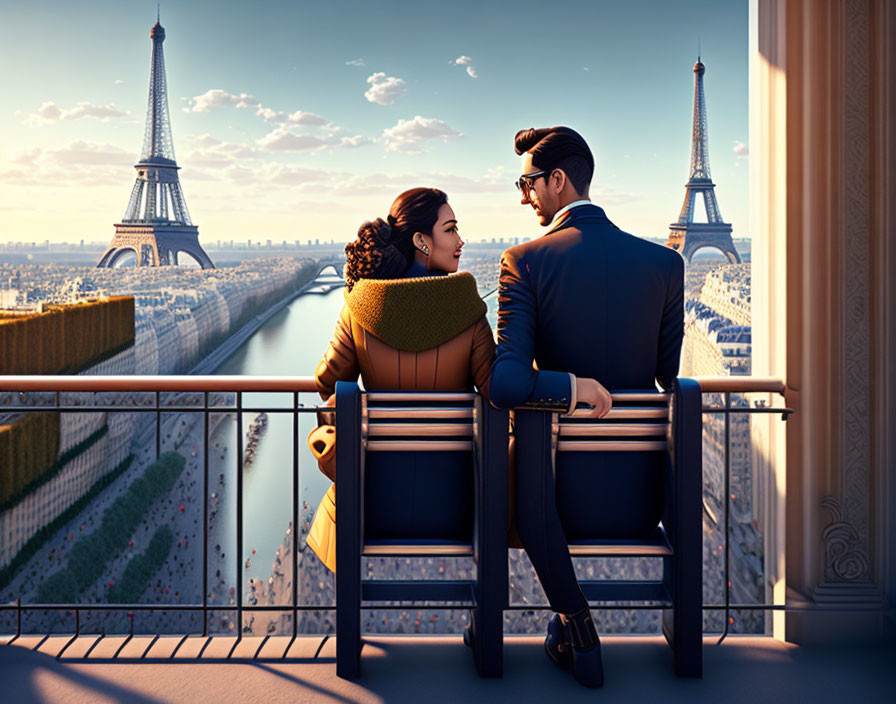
pixel 668 355
pixel 483 356
pixel 340 362
pixel 514 381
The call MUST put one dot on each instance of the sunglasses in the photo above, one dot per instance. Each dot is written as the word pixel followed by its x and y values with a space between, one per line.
pixel 525 182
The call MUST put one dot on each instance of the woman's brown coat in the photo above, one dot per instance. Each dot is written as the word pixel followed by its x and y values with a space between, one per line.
pixel 422 334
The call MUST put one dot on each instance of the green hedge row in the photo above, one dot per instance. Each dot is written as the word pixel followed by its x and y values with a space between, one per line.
pixel 88 557
pixel 8 500
pixel 140 569
pixel 65 338
pixel 36 541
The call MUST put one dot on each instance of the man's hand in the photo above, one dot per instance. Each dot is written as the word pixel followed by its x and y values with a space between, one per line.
pixel 592 392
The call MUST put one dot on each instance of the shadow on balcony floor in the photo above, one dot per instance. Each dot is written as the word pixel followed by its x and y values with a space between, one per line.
pixel 431 669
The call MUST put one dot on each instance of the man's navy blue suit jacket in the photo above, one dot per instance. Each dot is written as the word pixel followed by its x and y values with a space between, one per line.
pixel 591 300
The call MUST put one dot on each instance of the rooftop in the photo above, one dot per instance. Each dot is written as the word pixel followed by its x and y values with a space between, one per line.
pixel 430 669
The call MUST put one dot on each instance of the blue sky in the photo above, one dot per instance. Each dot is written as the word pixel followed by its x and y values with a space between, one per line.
pixel 302 119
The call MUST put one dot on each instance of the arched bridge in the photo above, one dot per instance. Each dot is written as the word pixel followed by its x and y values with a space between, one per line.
pixel 329 276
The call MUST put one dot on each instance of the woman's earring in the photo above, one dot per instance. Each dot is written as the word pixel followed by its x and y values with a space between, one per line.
pixel 425 250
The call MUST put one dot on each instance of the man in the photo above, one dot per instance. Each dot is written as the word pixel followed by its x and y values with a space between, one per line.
pixel 594 308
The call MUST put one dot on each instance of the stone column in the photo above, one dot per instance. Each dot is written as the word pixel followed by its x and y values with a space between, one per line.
pixel 823 129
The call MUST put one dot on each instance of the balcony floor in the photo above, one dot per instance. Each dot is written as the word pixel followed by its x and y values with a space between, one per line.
pixel 432 669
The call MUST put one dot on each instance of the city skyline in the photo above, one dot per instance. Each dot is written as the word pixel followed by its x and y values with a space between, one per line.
pixel 293 133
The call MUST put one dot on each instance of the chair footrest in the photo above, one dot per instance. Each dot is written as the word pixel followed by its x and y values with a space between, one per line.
pixel 626 590
pixel 416 590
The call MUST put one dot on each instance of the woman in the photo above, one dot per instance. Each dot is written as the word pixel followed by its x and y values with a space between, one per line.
pixel 409 323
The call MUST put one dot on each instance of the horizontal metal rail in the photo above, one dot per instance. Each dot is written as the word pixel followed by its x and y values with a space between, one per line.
pixel 708 384
pixel 221 383
pixel 741 384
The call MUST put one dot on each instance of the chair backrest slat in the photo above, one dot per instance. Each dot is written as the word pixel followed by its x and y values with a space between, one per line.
pixel 420 429
pixel 419 445
pixel 612 429
pixel 393 413
pixel 611 446
pixel 640 397
pixel 410 396
pixel 637 412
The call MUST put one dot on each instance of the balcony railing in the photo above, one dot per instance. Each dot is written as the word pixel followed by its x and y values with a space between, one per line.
pixel 726 395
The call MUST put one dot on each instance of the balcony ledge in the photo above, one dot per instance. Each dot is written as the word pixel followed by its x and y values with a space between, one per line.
pixel 428 668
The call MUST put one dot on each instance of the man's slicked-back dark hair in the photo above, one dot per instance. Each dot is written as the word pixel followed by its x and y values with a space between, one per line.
pixel 558 148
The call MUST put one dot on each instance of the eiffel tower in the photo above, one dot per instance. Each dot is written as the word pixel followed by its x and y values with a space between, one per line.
pixel 687 236
pixel 156 226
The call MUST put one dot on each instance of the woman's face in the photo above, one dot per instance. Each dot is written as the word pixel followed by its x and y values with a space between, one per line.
pixel 445 243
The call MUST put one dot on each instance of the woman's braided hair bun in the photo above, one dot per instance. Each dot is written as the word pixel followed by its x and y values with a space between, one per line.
pixel 372 255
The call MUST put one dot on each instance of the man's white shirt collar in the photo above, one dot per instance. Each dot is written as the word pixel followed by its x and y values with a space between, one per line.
pixel 569 206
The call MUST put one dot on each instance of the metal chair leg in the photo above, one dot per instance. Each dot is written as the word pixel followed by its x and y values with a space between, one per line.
pixel 348 531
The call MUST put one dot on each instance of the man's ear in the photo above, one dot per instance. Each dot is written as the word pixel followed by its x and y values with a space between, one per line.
pixel 558 180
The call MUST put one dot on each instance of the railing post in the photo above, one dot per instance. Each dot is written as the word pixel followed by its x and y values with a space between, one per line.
pixel 727 455
pixel 205 528
pixel 158 425
pixel 239 517
pixel 296 533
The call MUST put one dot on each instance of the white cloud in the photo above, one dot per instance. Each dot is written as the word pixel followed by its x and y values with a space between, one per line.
pixel 205 140
pixel 25 155
pixel 355 141
pixel 341 186
pixel 741 149
pixel 468 62
pixel 300 117
pixel 217 98
pixel 118 81
pixel 79 153
pixel 356 62
pixel 270 115
pixel 281 139
pixel 291 176
pixel 407 135
pixel 385 90
pixel 94 164
pixel 51 112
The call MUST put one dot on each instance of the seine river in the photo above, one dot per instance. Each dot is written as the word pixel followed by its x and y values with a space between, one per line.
pixel 291 343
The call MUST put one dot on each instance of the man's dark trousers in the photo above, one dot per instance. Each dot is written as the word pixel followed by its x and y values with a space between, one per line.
pixel 590 300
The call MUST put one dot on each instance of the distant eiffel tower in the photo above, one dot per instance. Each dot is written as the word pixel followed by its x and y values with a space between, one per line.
pixel 687 236
pixel 156 226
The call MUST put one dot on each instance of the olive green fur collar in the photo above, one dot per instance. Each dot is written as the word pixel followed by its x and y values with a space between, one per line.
pixel 416 314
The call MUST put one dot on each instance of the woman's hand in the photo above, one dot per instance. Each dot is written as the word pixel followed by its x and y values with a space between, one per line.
pixel 592 393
